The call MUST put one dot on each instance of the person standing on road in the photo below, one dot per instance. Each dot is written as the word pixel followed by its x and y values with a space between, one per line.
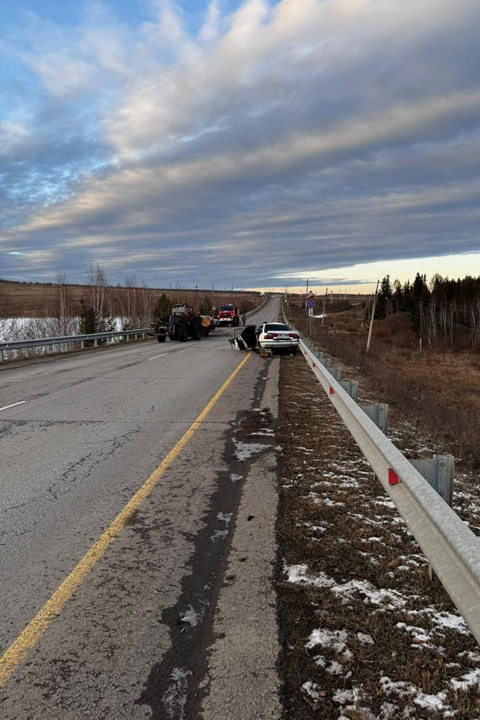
pixel 244 319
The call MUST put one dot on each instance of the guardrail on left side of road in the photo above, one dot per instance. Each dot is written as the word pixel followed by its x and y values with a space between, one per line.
pixel 68 340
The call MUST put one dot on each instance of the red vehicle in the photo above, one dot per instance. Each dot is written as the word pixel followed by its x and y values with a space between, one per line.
pixel 228 315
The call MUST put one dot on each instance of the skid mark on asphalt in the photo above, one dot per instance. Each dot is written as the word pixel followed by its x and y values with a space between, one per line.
pixel 176 684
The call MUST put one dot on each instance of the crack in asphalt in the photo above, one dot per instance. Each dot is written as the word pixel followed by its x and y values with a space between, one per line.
pixel 61 485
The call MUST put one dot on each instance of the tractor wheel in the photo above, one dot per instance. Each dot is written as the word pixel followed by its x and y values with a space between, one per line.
pixel 196 329
pixel 183 334
pixel 161 338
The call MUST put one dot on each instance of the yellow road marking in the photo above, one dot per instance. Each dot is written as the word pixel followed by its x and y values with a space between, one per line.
pixel 37 626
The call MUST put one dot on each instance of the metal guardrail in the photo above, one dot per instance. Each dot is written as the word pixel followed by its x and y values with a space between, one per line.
pixel 69 340
pixel 82 339
pixel 452 549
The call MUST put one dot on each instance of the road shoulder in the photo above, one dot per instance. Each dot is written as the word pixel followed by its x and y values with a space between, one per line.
pixel 241 681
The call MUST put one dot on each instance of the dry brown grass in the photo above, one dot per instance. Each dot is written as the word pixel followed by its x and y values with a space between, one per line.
pixel 38 299
pixel 336 519
pixel 439 391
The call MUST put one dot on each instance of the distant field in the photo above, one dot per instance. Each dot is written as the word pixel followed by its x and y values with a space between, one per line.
pixel 39 299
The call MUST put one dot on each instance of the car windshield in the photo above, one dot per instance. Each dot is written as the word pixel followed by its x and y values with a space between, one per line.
pixel 276 327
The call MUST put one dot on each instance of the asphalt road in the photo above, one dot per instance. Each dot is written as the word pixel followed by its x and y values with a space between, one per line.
pixel 138 637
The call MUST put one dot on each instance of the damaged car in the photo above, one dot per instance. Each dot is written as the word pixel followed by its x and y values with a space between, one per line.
pixel 277 336
pixel 267 337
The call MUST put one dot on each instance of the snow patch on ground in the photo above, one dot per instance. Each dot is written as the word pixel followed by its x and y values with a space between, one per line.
pixel 175 698
pixel 191 617
pixel 310 689
pixel 365 639
pixel 299 574
pixel 219 535
pixel 244 451
pixel 467 681
pixel 381 598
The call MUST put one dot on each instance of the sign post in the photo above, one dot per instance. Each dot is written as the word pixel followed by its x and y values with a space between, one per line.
pixel 310 306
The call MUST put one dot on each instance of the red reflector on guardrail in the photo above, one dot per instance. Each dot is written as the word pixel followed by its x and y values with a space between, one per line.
pixel 393 478
pixel 331 391
pixel 313 365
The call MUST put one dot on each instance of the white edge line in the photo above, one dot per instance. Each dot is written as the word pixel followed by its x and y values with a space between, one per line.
pixel 157 356
pixel 13 405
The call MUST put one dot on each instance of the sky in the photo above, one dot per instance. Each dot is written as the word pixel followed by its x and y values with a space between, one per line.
pixel 254 145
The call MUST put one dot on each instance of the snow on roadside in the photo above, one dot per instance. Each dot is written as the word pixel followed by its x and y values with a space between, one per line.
pixel 368 636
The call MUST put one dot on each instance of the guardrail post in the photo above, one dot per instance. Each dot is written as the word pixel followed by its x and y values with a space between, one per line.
pixel 135 336
pixel 143 335
pixel 128 338
pixel 337 373
pixel 1 355
pixel 351 387
pixel 82 344
pixel 95 342
pixel 439 472
pixel 378 414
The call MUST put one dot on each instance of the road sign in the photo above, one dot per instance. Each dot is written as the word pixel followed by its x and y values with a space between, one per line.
pixel 310 310
pixel 310 303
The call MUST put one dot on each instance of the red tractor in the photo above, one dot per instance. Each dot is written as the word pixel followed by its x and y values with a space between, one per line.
pixel 183 323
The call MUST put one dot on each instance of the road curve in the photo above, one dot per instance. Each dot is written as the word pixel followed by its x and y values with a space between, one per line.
pixel 138 636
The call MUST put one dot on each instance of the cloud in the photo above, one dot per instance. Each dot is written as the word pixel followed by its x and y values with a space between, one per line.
pixel 276 138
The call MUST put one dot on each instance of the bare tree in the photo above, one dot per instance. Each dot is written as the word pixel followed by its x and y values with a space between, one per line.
pixel 97 290
pixel 63 322
pixel 6 321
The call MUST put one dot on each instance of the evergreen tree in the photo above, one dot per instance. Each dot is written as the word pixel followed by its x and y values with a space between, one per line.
pixel 384 298
pixel 206 307
pixel 87 318
pixel 163 307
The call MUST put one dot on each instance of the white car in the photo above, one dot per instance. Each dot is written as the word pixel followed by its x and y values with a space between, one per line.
pixel 277 336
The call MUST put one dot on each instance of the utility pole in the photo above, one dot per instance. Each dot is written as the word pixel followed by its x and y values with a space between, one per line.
pixel 372 318
pixel 324 305
pixel 421 325
pixel 306 296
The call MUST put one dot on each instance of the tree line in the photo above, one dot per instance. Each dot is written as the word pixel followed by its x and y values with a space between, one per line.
pixel 442 311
